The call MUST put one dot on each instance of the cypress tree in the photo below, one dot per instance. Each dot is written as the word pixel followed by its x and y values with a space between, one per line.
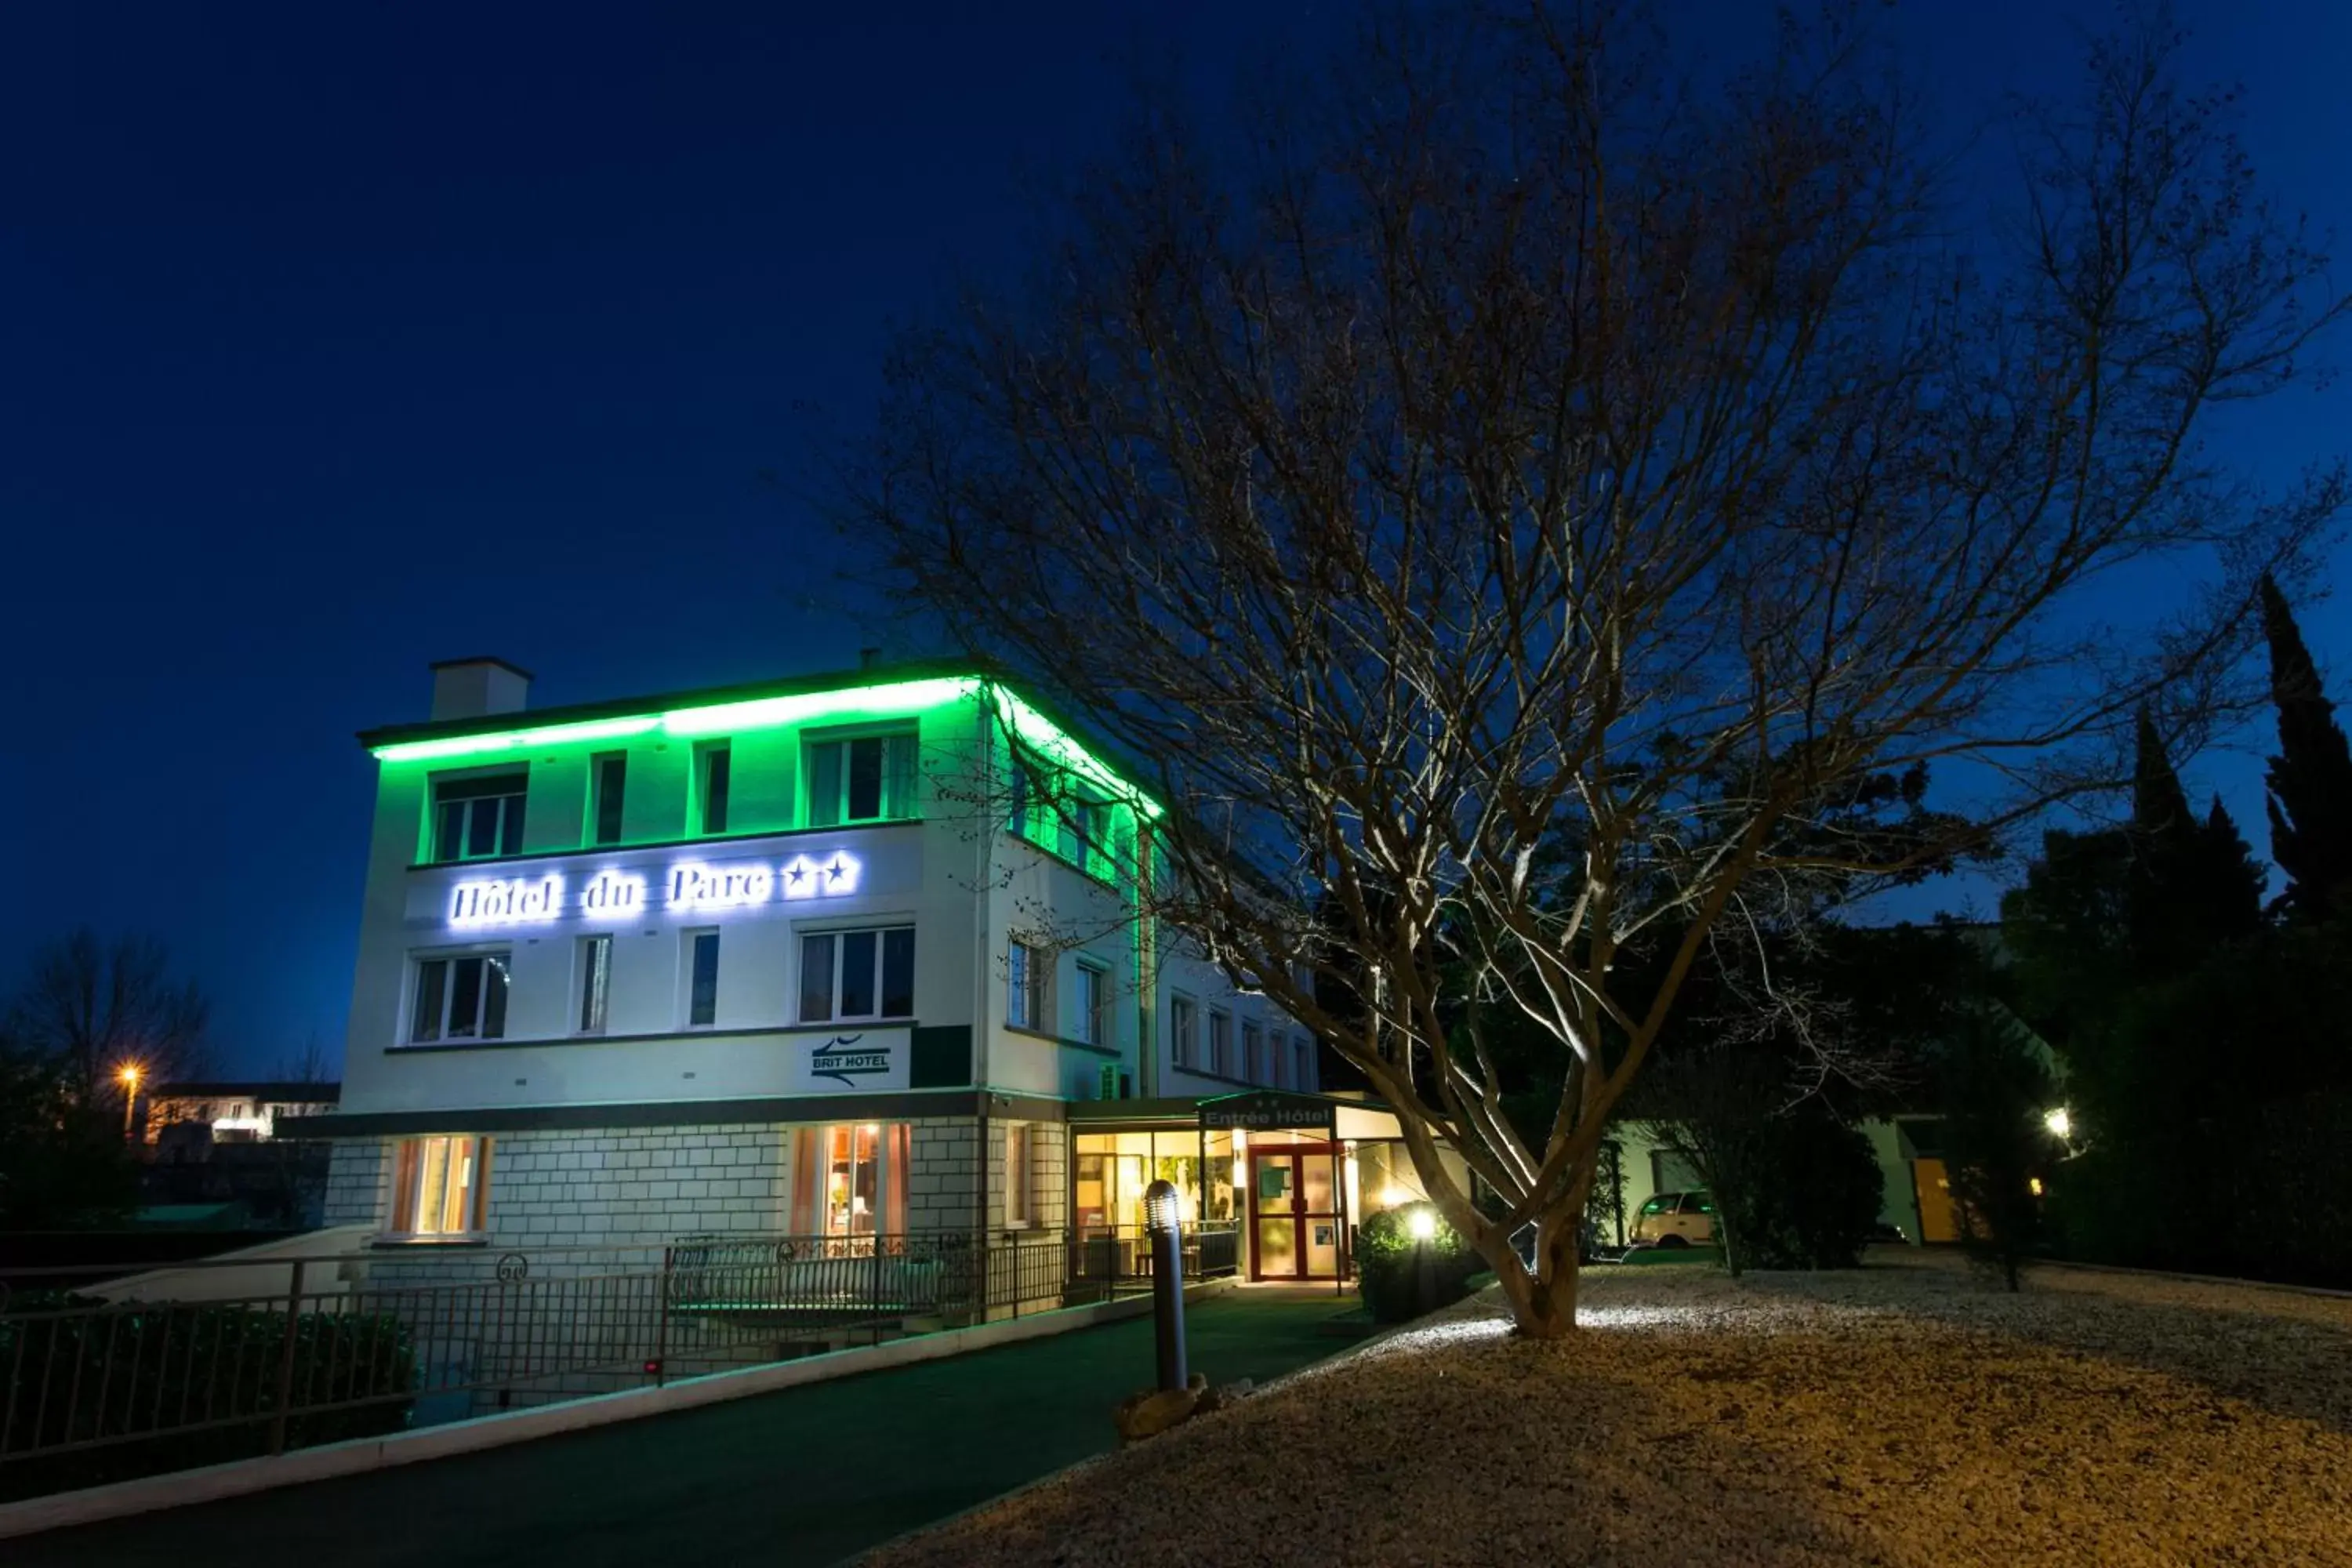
pixel 2192 886
pixel 2310 780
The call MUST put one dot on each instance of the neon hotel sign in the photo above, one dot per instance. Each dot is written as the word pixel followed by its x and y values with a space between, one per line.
pixel 688 886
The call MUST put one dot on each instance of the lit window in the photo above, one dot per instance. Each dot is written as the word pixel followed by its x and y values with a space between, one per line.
pixel 595 981
pixel 867 778
pixel 861 1181
pixel 441 1186
pixel 714 777
pixel 1094 1004
pixel 1028 967
pixel 1017 1210
pixel 462 998
pixel 1220 1043
pixel 701 979
pixel 852 974
pixel 608 784
pixel 474 818
pixel 1183 1021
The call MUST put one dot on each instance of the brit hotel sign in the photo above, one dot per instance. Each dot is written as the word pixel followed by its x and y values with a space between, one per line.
pixel 686 886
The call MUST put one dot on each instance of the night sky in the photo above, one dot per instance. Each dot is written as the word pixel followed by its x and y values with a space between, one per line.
pixel 340 339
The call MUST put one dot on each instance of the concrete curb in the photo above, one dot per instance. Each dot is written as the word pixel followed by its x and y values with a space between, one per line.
pixel 2323 1291
pixel 241 1477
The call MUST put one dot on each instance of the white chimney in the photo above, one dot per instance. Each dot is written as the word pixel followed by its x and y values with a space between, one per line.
pixel 478 688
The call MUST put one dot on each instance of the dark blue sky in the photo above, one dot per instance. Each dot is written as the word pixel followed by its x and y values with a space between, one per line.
pixel 341 338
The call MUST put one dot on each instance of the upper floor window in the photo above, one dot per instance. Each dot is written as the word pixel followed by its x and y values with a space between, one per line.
pixel 479 816
pixel 595 981
pixel 1183 1024
pixel 866 778
pixel 1254 1053
pixel 714 775
pixel 1220 1043
pixel 1028 967
pixel 1302 1058
pixel 1094 1004
pixel 441 1186
pixel 701 979
pixel 460 998
pixel 608 782
pixel 852 974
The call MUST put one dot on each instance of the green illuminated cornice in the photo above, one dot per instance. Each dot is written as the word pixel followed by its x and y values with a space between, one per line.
pixel 874 700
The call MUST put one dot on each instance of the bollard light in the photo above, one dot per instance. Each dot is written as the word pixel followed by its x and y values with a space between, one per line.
pixel 1163 1207
pixel 1162 1218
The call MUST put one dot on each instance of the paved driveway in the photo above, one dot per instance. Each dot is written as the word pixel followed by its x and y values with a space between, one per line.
pixel 801 1478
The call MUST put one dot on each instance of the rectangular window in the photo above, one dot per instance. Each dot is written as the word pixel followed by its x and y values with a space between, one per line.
pixel 702 979
pixel 1278 1060
pixel 852 974
pixel 459 999
pixel 1086 841
pixel 714 769
pixel 595 981
pixel 859 1180
pixel 1017 1209
pixel 1220 1043
pixel 1094 1004
pixel 1183 1021
pixel 1027 968
pixel 1254 1053
pixel 1302 1056
pixel 867 778
pixel 608 784
pixel 474 818
pixel 441 1186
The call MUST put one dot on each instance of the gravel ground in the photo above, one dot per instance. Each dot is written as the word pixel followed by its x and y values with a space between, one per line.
pixel 1908 1413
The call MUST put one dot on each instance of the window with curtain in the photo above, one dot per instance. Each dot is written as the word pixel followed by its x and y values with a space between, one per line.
pixel 441 1186
pixel 1027 968
pixel 1094 1005
pixel 1019 1203
pixel 864 778
pixel 850 1181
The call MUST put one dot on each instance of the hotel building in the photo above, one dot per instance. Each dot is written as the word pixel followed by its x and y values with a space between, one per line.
pixel 846 956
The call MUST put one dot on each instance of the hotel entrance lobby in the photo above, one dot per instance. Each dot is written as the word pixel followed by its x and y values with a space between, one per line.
pixel 1283 1177
pixel 1297 1209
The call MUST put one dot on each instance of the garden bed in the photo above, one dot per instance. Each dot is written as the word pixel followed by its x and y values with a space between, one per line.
pixel 1908 1413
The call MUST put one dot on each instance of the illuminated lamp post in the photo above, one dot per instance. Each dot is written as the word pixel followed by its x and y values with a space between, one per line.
pixel 130 1077
pixel 1164 1223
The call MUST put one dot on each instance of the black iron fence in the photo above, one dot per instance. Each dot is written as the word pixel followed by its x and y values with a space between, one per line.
pixel 100 1390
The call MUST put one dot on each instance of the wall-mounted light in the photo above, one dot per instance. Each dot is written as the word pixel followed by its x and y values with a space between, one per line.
pixel 2061 1124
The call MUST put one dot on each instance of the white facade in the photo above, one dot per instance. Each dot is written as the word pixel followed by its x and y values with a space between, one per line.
pixel 602 941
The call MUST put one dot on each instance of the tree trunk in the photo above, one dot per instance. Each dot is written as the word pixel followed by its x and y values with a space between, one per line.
pixel 1543 1304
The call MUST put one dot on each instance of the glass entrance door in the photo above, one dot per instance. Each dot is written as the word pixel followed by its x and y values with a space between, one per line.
pixel 1295 1213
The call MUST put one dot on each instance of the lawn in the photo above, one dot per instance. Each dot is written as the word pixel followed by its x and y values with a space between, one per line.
pixel 1909 1413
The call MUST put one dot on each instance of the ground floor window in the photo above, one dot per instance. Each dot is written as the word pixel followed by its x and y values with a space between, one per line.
pixel 851 1180
pixel 1019 1206
pixel 1110 1169
pixel 441 1186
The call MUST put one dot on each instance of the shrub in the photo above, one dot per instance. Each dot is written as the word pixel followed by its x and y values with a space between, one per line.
pixel 1806 1193
pixel 155 1368
pixel 1400 1276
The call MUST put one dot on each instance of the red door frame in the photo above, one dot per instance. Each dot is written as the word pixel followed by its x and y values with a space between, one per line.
pixel 1300 1214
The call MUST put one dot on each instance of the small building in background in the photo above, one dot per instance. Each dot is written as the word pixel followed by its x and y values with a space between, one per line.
pixel 215 1148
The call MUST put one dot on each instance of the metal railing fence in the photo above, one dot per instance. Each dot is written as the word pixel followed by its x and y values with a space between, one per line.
pixel 368 1343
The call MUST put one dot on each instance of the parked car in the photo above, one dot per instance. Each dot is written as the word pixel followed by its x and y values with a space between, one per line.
pixel 1677 1219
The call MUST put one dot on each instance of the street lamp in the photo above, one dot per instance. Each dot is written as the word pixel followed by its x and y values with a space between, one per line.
pixel 130 1077
pixel 2060 1125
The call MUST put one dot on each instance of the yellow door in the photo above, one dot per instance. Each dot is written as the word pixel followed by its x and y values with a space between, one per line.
pixel 1936 1222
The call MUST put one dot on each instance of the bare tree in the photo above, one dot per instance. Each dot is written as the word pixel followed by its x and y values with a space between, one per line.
pixel 95 1008
pixel 1533 445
